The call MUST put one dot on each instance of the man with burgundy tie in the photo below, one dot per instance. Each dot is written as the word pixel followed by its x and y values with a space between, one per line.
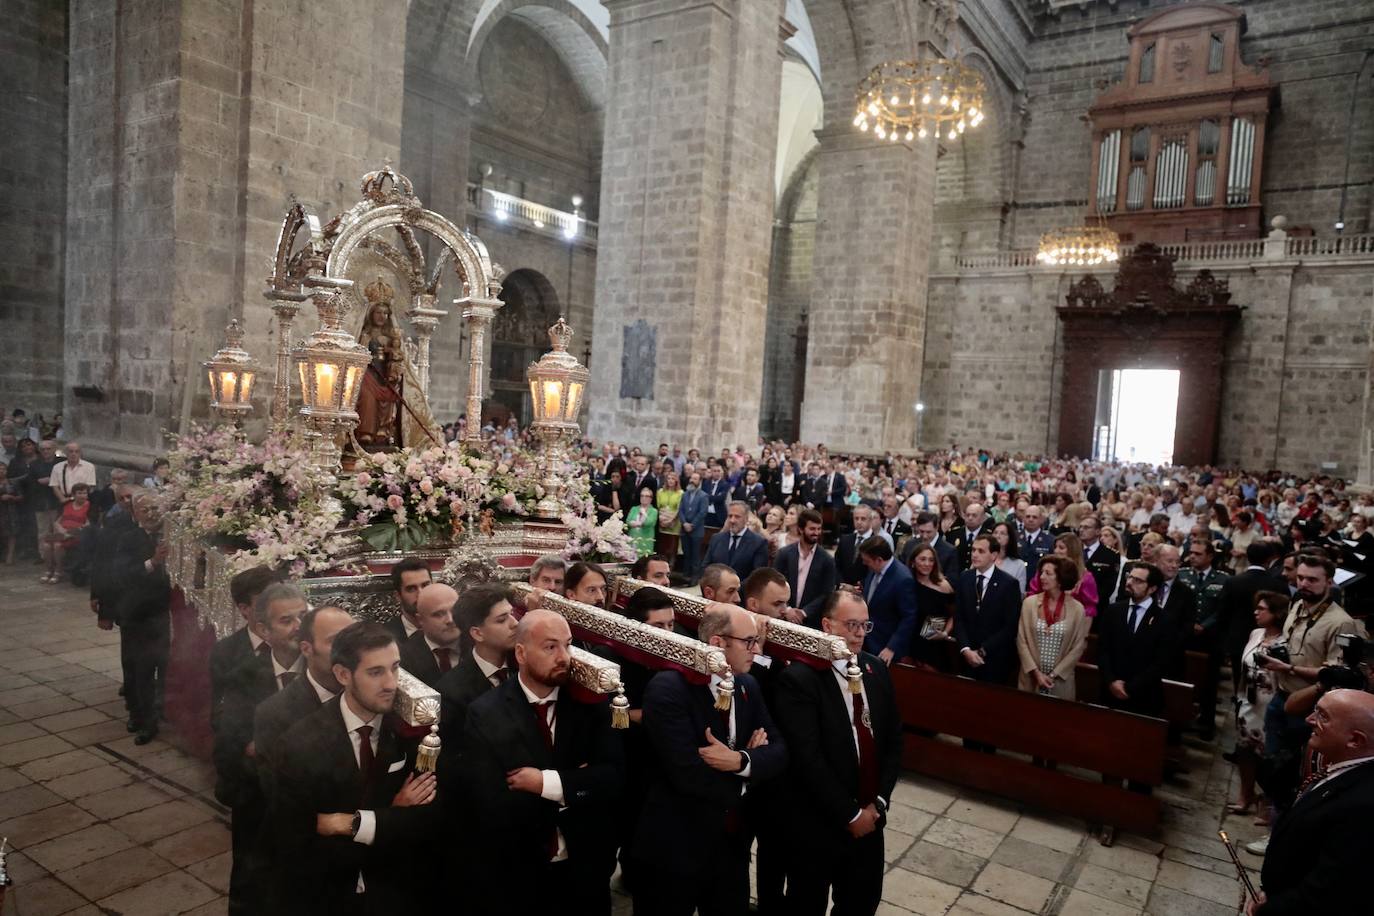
pixel 487 623
pixel 231 651
pixel 539 775
pixel 845 751
pixel 276 621
pixel 432 651
pixel 355 828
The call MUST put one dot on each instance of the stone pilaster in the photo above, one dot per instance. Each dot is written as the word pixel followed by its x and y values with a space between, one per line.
pixel 868 303
pixel 686 211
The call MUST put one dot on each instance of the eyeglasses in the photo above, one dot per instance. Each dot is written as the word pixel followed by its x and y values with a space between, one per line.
pixel 750 642
pixel 858 626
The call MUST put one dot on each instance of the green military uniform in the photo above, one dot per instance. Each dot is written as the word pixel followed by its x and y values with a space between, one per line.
pixel 1206 588
pixel 1206 592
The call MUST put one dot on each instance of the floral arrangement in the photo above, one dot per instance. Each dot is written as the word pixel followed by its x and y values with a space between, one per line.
pixel 259 499
pixel 603 543
pixel 402 500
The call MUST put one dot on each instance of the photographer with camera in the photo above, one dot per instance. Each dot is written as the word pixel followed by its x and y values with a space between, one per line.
pixel 1309 643
pixel 1321 846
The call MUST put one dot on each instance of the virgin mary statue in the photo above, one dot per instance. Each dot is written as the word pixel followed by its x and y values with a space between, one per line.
pixel 392 410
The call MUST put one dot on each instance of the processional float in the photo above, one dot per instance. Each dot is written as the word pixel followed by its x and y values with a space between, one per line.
pixel 366 505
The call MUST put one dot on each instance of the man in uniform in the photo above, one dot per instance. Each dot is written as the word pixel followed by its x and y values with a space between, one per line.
pixel 1206 582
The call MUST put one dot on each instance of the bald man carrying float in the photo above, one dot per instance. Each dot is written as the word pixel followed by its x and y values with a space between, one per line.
pixel 1321 849
pixel 539 773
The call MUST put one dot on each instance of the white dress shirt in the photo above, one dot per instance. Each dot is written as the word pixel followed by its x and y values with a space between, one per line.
pixel 367 820
pixel 841 671
pixel 489 671
pixel 63 477
pixel 321 691
pixel 553 783
pixel 278 669
pixel 435 647
pixel 734 742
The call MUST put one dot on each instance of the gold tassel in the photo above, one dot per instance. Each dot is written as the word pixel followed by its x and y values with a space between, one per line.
pixel 427 755
pixel 620 709
pixel 724 692
pixel 856 677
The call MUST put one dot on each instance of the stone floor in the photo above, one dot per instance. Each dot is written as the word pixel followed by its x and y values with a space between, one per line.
pixel 100 825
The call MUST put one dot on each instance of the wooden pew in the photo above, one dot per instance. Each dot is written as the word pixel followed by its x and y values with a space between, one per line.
pixel 1179 707
pixel 1071 734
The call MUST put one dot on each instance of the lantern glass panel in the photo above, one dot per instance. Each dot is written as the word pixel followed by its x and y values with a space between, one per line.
pixel 246 386
pixel 537 404
pixel 351 387
pixel 553 398
pixel 306 390
pixel 326 384
pixel 574 401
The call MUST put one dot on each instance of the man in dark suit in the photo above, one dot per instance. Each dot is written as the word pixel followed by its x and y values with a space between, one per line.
pixel 692 513
pixel 276 619
pixel 812 493
pixel 717 490
pixel 408 578
pixel 894 526
pixel 976 521
pixel 432 651
pixel 1134 644
pixel 142 603
pixel 736 546
pixel 848 565
pixel 352 821
pixel 846 751
pixel 1178 602
pixel 540 774
pixel 1321 845
pixel 1103 563
pixel 987 612
pixel 487 623
pixel 1036 541
pixel 231 651
pixel 303 695
pixel 890 592
pixel 706 758
pixel 636 479
pixel 809 568
pixel 833 488
pixel 1237 600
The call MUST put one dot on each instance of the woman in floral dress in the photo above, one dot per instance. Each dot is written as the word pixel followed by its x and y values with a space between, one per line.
pixel 1256 690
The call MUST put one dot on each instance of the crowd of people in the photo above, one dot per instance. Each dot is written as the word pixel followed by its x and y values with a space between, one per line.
pixel 1008 569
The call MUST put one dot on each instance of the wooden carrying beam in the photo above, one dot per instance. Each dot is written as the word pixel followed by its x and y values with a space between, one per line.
pixel 633 641
pixel 783 639
pixel 1073 735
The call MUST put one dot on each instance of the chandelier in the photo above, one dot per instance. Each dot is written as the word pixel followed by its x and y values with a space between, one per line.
pixel 917 98
pixel 1079 246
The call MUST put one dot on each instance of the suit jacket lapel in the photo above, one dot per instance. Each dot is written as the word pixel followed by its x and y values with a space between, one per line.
pixel 522 719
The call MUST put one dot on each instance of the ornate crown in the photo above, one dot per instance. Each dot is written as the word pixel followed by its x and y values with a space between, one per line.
pixel 560 335
pixel 379 291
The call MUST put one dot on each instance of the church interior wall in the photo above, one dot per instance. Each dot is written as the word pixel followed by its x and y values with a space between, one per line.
pixel 789 295
pixel 33 179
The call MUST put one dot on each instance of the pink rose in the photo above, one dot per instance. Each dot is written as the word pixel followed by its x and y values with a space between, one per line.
pixel 426 486
pixel 508 501
pixel 394 502
pixel 464 471
pixel 363 479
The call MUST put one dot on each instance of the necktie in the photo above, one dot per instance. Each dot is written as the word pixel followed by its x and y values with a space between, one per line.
pixel 365 757
pixel 734 542
pixel 544 713
pixel 1135 617
pixel 286 677
pixel 264 650
pixel 1163 594
pixel 499 676
pixel 981 581
pixel 868 755
pixel 445 661
pixel 873 586
pixel 725 728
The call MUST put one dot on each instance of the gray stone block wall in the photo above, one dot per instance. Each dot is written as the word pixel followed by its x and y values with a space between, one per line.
pixel 33 179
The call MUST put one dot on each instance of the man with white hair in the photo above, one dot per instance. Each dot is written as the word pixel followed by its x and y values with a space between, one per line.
pixel 1321 845
pixel 71 472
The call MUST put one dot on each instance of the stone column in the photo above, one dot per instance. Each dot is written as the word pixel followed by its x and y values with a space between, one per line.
pixel 685 220
pixel 868 303
pixel 191 124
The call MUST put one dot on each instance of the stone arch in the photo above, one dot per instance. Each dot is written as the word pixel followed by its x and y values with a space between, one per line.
pixel 519 337
pixel 568 27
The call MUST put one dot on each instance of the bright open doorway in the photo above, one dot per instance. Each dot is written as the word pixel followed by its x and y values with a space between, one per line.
pixel 1136 412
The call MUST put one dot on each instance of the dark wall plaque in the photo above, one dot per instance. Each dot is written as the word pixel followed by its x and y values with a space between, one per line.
pixel 637 360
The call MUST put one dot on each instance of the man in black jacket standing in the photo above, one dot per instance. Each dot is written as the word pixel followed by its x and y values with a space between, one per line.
pixel 706 756
pixel 539 775
pixel 487 622
pixel 142 605
pixel 233 650
pixel 352 821
pixel 1321 846
pixel 432 651
pixel 987 613
pixel 811 590
pixel 846 752
pixel 1135 644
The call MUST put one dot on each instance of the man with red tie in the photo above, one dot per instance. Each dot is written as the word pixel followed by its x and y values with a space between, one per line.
pixel 432 651
pixel 845 749
pixel 356 829
pixel 539 774
pixel 487 622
